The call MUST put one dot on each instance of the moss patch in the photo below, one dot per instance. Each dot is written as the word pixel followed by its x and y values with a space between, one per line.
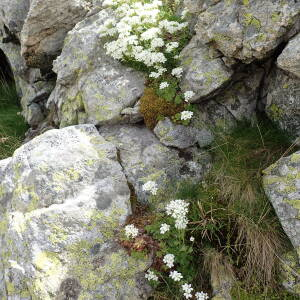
pixel 154 108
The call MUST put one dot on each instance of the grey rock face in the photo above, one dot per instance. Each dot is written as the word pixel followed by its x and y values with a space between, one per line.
pixel 144 158
pixel 46 26
pixel 203 74
pixel 282 186
pixel 92 87
pixel 181 136
pixel 241 97
pixel 12 15
pixel 32 90
pixel 283 101
pixel 63 195
pixel 289 59
pixel 248 30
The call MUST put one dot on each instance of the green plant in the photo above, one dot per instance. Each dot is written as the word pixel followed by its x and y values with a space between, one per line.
pixel 225 225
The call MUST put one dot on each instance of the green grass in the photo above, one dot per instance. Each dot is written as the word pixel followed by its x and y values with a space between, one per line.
pixel 12 125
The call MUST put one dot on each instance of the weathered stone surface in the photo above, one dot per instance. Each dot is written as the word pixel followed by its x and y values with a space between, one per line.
pixel 131 115
pixel 63 195
pixel 290 273
pixel 282 186
pixel 46 26
pixel 283 101
pixel 248 30
pixel 241 97
pixel 203 74
pixel 32 89
pixel 144 158
pixel 289 59
pixel 12 15
pixel 92 87
pixel 181 136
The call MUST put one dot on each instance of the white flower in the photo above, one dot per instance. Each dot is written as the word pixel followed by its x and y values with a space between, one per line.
pixel 176 276
pixel 184 12
pixel 178 209
pixel 169 260
pixel 164 228
pixel 188 95
pixel 131 231
pixel 201 296
pixel 150 275
pixel 177 72
pixel 187 288
pixel 157 42
pixel 171 46
pixel 16 266
pixel 186 115
pixel 150 186
pixel 163 85
pixel 192 239
pixel 150 34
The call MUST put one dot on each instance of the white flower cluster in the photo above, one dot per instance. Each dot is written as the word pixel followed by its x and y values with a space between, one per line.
pixel 201 296
pixel 138 32
pixel 150 275
pixel 188 95
pixel 150 186
pixel 186 115
pixel 187 289
pixel 163 85
pixel 169 260
pixel 176 276
pixel 164 228
pixel 131 231
pixel 178 209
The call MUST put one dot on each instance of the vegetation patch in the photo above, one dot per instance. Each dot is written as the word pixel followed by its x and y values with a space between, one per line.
pixel 221 231
pixel 12 125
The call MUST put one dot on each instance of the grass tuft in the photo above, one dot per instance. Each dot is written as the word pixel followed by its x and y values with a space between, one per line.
pixel 12 125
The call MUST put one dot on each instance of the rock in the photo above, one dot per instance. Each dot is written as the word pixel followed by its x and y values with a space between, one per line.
pixel 248 30
pixel 63 196
pixel 290 273
pixel 132 115
pixel 282 186
pixel 241 97
pixel 283 101
pixel 144 158
pixel 31 88
pixel 91 86
pixel 196 6
pixel 45 29
pixel 12 15
pixel 204 75
pixel 214 116
pixel 181 136
pixel 289 59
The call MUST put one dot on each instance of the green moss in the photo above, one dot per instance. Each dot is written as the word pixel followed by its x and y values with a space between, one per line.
pixel 276 16
pixel 154 107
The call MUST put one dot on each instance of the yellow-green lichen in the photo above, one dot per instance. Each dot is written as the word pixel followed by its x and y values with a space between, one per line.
pixel 295 158
pixel 275 112
pixel 250 20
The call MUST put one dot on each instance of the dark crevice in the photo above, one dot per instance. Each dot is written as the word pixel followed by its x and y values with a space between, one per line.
pixel 6 74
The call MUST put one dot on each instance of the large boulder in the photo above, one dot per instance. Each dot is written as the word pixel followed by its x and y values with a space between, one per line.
pixel 91 86
pixel 203 72
pixel 46 26
pixel 289 59
pixel 63 196
pixel 249 29
pixel 282 186
pixel 283 101
pixel 144 159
